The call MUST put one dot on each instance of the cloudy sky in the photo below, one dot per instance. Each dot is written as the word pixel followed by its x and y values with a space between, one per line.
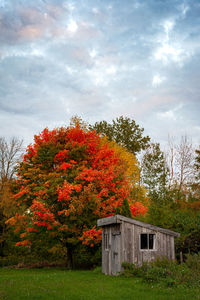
pixel 99 60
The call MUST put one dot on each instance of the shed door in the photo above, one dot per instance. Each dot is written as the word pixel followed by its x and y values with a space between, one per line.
pixel 115 253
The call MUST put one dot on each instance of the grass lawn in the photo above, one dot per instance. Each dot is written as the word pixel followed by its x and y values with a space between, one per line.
pixel 61 284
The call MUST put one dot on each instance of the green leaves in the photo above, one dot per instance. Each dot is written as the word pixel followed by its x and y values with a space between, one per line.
pixel 125 132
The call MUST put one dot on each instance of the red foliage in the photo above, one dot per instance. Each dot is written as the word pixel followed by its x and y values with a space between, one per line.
pixel 61 156
pixel 24 243
pixel 137 208
pixel 91 237
pixel 68 176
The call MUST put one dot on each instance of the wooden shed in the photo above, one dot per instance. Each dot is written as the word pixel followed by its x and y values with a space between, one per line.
pixel 129 240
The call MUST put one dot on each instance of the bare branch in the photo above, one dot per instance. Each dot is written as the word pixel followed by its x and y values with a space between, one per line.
pixel 10 154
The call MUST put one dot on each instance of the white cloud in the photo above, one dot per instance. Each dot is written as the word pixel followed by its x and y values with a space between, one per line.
pixel 169 51
pixel 167 115
pixel 100 74
pixel 171 114
pixel 168 26
pixel 96 76
pixel 33 51
pixel 157 80
pixel 37 52
pixel 72 26
pixel 111 70
pixel 93 53
pixel 95 10
pixel 70 70
pixel 174 53
pixel 69 5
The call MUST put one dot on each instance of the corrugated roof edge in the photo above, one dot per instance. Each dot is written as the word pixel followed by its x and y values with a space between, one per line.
pixel 119 219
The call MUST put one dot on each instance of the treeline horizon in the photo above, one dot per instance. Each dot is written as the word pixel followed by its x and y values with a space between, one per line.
pixel 169 181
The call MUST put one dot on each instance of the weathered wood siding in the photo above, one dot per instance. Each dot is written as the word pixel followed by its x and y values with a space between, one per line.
pixel 163 245
pixel 111 257
pixel 122 243
pixel 127 242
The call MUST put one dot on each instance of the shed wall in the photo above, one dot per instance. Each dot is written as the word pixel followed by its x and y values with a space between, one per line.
pixel 164 245
pixel 123 244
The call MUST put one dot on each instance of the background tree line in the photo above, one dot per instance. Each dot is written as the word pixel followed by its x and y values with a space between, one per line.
pixel 171 179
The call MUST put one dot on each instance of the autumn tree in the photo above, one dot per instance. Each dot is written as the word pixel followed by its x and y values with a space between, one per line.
pixel 125 132
pixel 10 153
pixel 68 179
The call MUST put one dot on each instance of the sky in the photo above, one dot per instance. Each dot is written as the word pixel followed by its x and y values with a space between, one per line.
pixel 100 60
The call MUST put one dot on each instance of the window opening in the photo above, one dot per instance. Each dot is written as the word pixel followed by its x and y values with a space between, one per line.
pixel 147 241
pixel 151 241
pixel 144 241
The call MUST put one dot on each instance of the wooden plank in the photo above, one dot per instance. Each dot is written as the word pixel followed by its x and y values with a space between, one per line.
pixel 172 248
pixel 103 266
pixel 105 253
pixel 107 221
pixel 129 245
pixel 160 237
pixel 123 247
pixel 168 247
pixel 115 251
pixel 128 242
pixel 139 252
pixel 164 245
pixel 109 253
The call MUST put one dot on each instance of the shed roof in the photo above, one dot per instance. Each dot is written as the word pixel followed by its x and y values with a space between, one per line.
pixel 117 219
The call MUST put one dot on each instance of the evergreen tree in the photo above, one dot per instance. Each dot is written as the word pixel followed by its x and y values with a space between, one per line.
pixel 125 211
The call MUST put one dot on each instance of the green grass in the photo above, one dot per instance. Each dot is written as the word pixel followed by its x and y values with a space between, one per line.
pixel 28 284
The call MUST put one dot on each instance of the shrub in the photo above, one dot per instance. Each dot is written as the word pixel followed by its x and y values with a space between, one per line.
pixel 193 261
pixel 167 272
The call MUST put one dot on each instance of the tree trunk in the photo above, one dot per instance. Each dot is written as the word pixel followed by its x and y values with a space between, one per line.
pixel 70 264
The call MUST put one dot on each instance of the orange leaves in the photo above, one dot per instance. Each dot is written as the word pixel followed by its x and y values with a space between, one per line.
pixel 91 237
pixel 61 156
pixel 76 134
pixel 104 193
pixel 137 208
pixel 64 212
pixel 41 194
pixel 23 191
pixel 78 188
pixel 42 216
pixel 12 221
pixel 18 222
pixel 89 174
pixel 64 192
pixel 69 179
pixel 24 243
pixel 30 152
pixel 30 229
pixel 65 166
pixel 50 136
